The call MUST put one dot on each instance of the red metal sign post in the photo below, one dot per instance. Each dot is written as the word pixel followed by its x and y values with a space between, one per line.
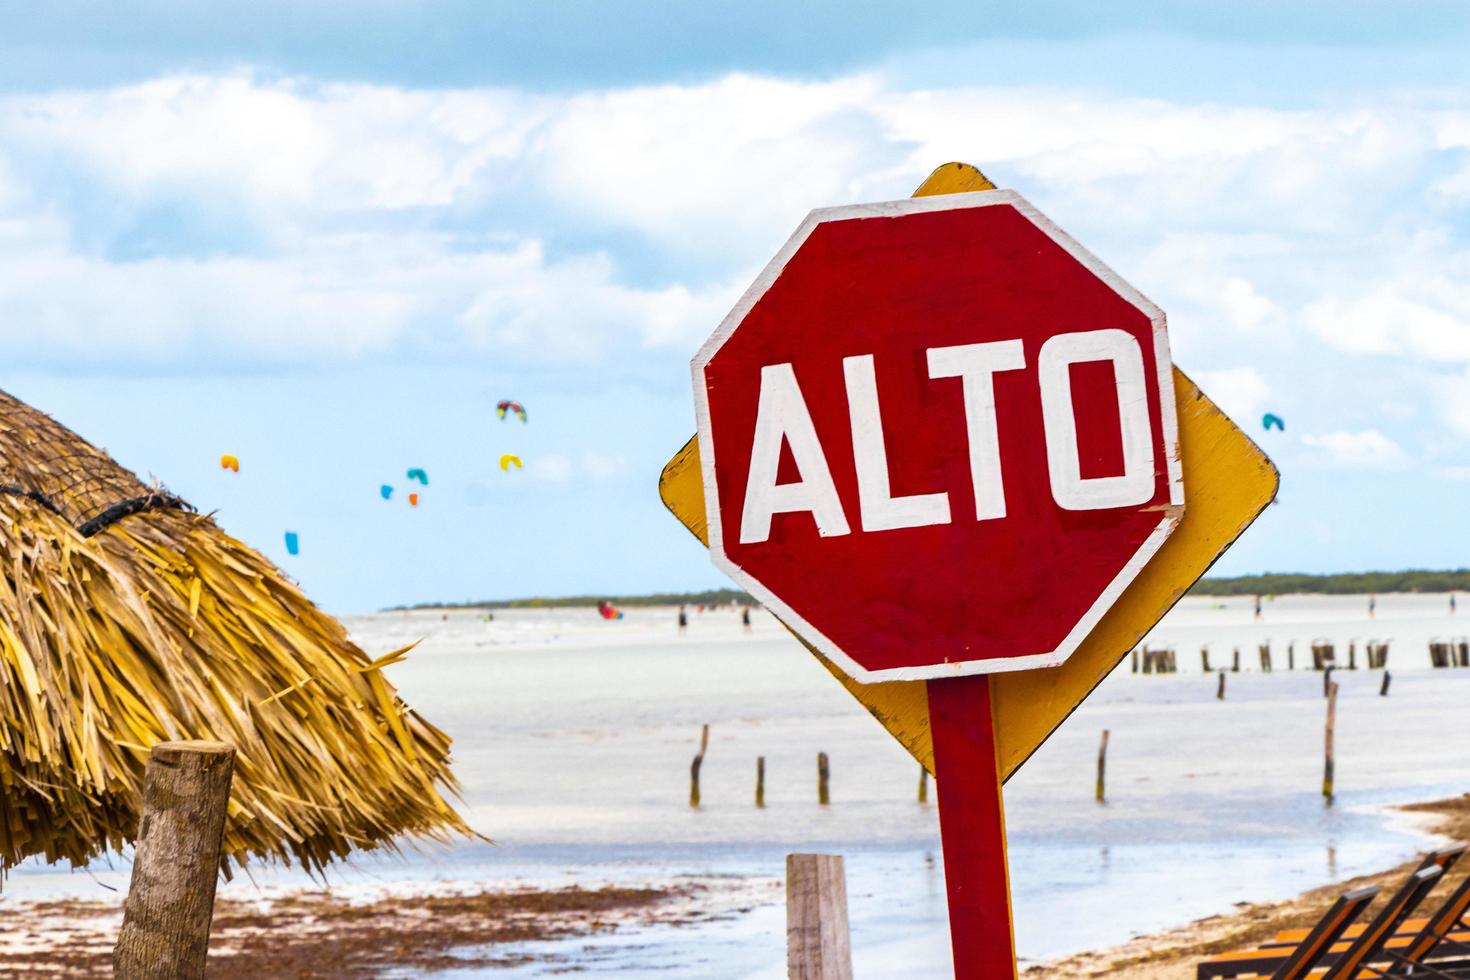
pixel 938 440
pixel 972 825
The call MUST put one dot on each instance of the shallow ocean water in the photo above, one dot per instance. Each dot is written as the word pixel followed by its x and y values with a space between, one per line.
pixel 573 738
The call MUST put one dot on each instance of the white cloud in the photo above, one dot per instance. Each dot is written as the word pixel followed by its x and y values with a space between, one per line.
pixel 1423 319
pixel 1455 396
pixel 604 466
pixel 1458 474
pixel 1241 392
pixel 556 468
pixel 551 468
pixel 1367 449
pixel 285 220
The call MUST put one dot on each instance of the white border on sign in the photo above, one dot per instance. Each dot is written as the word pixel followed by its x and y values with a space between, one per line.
pixel 1168 413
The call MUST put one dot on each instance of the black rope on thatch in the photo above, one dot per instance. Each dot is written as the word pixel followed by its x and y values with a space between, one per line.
pixel 158 500
pixel 39 498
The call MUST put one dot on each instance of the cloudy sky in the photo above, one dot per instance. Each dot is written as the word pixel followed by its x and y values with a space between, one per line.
pixel 329 241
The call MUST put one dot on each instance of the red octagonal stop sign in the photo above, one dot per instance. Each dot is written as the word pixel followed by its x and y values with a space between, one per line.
pixel 938 437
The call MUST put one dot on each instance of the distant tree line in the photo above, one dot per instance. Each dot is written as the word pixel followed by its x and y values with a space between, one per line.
pixel 1269 583
pixel 1342 583
pixel 709 597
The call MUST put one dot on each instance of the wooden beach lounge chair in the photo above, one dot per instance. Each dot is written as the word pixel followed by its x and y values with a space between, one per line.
pixel 1369 946
pixel 1444 859
pixel 1278 964
pixel 1433 937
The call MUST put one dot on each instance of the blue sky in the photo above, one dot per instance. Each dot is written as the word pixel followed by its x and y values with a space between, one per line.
pixel 330 240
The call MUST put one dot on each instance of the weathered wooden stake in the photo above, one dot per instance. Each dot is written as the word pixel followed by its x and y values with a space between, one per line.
pixel 1291 656
pixel 1220 691
pixel 694 767
pixel 1204 659
pixel 1102 768
pixel 1327 681
pixel 176 862
pixel 824 774
pixel 817 942
pixel 1331 721
pixel 760 780
pixel 923 785
pixel 1235 662
pixel 1383 691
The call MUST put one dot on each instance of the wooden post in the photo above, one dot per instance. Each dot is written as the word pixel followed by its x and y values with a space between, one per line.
pixel 1291 655
pixel 1235 662
pixel 760 780
pixel 1135 660
pixel 1331 720
pixel 1220 691
pixel 694 767
pixel 1383 691
pixel 817 942
pixel 923 784
pixel 1204 659
pixel 1102 768
pixel 176 862
pixel 824 774
pixel 1327 682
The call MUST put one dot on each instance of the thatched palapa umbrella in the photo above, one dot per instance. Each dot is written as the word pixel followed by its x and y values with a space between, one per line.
pixel 127 619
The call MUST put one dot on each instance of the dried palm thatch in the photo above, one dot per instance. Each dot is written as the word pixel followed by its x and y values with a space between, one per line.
pixel 127 619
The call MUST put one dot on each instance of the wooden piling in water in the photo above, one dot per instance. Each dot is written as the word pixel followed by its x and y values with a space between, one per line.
pixel 923 785
pixel 760 781
pixel 1353 655
pixel 1204 660
pixel 824 776
pixel 818 946
pixel 1383 691
pixel 176 862
pixel 1220 691
pixel 1235 662
pixel 1327 770
pixel 1327 682
pixel 1264 652
pixel 1291 655
pixel 1102 768
pixel 695 766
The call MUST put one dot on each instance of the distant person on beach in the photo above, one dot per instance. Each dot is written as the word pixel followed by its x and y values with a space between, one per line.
pixel 683 620
pixel 1258 607
pixel 745 616
pixel 1452 603
pixel 1372 607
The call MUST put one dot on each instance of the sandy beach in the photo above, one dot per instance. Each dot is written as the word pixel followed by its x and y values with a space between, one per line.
pixel 573 738
pixel 1173 953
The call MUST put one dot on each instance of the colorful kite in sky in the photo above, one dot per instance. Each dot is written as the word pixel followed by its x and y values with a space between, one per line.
pixel 510 406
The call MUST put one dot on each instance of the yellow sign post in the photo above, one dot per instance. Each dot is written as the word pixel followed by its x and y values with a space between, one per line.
pixel 1229 482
